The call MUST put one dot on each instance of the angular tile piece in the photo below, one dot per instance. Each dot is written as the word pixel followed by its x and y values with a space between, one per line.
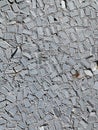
pixel 19 1
pixel 96 72
pixel 71 5
pixel 88 72
pixel 85 63
pixel 3 3
pixel 58 125
pixel 96 86
pixel 34 4
pixel 27 103
pixel 40 31
pixel 57 112
pixel 39 94
pixel 25 11
pixel 2 98
pixel 12 29
pixel 1 34
pixel 9 36
pixel 2 121
pixel 15 7
pixel 11 15
pixel 26 55
pixel 63 4
pixel 4 44
pixel 33 72
pixel 84 124
pixel 27 32
pixel 11 1
pixel 40 2
pixel 41 128
pixel 26 20
pixel 11 98
pixel 2 104
pixel 30 25
pixel 22 125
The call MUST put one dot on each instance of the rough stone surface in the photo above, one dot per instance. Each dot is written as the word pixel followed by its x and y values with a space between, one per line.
pixel 48 64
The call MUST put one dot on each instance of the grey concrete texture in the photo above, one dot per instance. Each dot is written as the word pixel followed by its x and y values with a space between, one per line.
pixel 48 64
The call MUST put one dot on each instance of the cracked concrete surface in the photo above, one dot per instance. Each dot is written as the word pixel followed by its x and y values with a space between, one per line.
pixel 48 64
